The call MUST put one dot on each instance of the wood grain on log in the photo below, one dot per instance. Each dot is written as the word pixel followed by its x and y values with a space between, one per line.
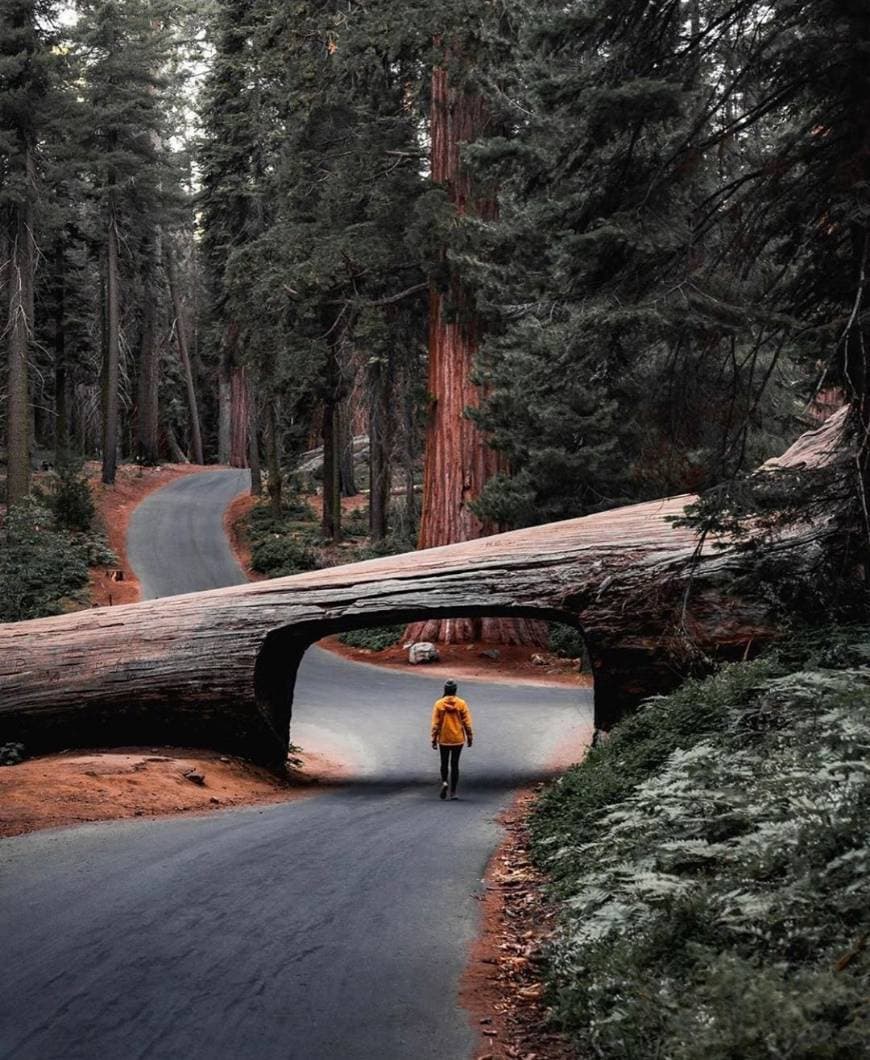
pixel 217 668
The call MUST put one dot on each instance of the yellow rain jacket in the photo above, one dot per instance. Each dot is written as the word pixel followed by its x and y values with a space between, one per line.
pixel 451 721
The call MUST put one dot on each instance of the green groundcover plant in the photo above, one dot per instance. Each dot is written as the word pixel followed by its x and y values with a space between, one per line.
pixel 41 565
pixel 713 864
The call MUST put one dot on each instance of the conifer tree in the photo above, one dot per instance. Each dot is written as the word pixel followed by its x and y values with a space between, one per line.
pixel 124 48
pixel 24 75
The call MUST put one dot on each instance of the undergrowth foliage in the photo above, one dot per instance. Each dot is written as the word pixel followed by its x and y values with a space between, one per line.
pixel 40 565
pixel 714 862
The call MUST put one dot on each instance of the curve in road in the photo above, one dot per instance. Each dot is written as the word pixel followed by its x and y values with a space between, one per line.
pixel 333 928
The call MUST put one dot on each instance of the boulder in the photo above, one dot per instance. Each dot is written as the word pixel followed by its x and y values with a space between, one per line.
pixel 423 652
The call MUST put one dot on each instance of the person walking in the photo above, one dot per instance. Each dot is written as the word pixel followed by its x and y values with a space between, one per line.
pixel 451 727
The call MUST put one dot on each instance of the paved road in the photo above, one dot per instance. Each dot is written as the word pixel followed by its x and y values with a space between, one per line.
pixel 333 928
pixel 176 541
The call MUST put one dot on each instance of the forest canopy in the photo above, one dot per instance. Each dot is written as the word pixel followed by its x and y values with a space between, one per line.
pixel 545 258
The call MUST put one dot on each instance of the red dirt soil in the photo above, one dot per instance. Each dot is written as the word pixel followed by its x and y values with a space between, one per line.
pixel 501 988
pixel 78 786
pixel 234 527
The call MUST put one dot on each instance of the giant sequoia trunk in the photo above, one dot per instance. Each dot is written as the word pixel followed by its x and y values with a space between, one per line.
pixel 20 328
pixel 240 417
pixel 458 461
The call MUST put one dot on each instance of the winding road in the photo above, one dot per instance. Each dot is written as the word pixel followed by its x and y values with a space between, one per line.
pixel 330 928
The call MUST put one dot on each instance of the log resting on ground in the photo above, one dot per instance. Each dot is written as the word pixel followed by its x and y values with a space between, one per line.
pixel 217 669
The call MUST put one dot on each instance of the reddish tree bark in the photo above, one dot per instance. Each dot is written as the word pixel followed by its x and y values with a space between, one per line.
pixel 458 462
pixel 239 417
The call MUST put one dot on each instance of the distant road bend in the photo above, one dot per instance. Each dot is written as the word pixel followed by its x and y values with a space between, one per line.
pixel 332 928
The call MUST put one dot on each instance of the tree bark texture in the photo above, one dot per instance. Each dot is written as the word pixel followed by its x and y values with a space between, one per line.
pixel 239 417
pixel 331 482
pixel 273 439
pixel 458 461
pixel 224 395
pixel 347 474
pixel 112 362
pixel 177 454
pixel 254 449
pixel 147 423
pixel 331 514
pixel 181 334
pixel 20 330
pixel 217 669
pixel 380 437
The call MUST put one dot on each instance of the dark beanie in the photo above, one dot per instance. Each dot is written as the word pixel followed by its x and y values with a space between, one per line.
pixel 449 688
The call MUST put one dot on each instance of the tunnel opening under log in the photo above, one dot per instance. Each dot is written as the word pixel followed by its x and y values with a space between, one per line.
pixel 282 651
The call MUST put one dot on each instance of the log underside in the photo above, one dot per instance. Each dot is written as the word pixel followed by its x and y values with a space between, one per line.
pixel 217 669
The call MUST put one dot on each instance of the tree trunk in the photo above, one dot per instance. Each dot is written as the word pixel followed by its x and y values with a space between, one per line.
pixel 274 457
pixel 345 435
pixel 224 395
pixel 184 354
pixel 175 451
pixel 458 461
pixel 254 451
pixel 239 417
pixel 112 359
pixel 331 519
pixel 147 426
pixel 20 331
pixel 409 457
pixel 379 450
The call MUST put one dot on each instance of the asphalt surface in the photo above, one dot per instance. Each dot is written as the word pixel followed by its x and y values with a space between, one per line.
pixel 331 928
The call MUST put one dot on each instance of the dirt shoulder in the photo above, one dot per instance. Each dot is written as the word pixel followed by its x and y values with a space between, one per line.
pixel 235 527
pixel 502 988
pixel 74 787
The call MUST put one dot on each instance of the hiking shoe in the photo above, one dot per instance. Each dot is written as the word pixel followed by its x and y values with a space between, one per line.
pixel 443 793
pixel 454 795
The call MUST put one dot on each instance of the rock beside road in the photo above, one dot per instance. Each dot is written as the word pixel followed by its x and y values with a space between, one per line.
pixel 423 652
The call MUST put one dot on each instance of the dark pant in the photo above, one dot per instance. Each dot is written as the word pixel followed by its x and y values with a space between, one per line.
pixel 450 754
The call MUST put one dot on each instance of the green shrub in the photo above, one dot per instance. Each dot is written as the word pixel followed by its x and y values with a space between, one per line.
pixel 262 519
pixel 566 641
pixel 375 638
pixel 69 497
pixel 39 564
pixel 11 754
pixel 356 523
pixel 713 860
pixel 98 552
pixel 279 556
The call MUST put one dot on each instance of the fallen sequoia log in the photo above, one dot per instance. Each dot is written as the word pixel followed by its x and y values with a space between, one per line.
pixel 217 669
